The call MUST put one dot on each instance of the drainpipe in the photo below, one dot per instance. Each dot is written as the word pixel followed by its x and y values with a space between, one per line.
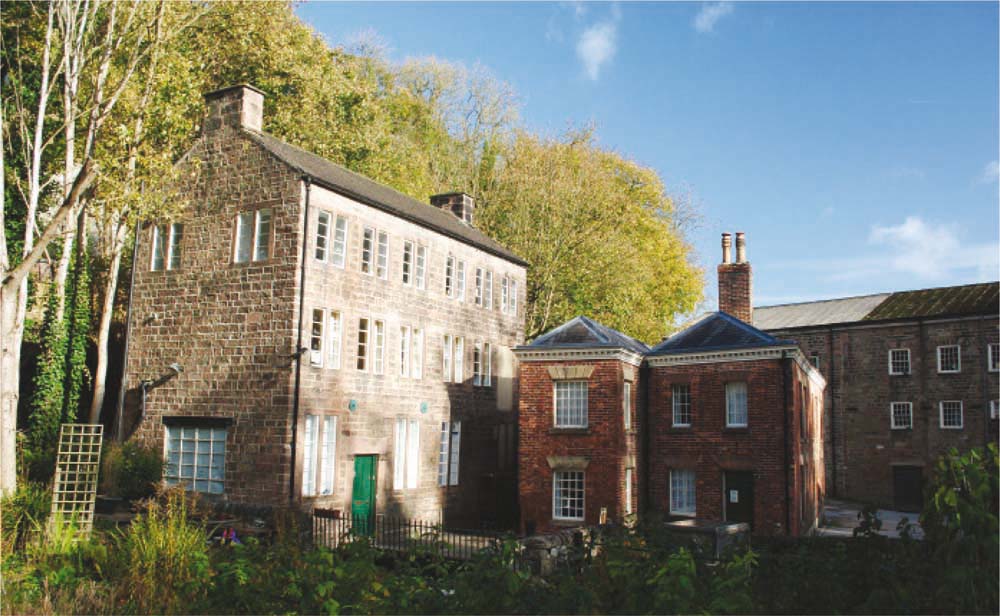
pixel 832 387
pixel 120 404
pixel 785 377
pixel 298 341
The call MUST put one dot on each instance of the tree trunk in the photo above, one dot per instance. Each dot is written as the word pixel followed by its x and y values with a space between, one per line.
pixel 11 332
pixel 104 325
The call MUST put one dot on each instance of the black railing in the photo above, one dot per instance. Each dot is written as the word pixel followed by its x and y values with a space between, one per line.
pixel 332 530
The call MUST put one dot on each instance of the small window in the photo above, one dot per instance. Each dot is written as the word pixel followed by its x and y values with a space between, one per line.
pixel 949 358
pixel 310 446
pixel 377 357
pixel 567 495
pixel 367 248
pixel 339 255
pixel 902 415
pixel 382 266
pixel 736 405
pixel 994 409
pixel 322 235
pixel 477 363
pixel 899 361
pixel 504 293
pixel 460 280
pixel 628 490
pixel 336 335
pixel 417 367
pixel 447 350
pixel 681 399
pixel 682 492
pixel 488 291
pixel 513 297
pixel 459 362
pixel 479 286
pixel 407 262
pixel 449 272
pixel 174 249
pixel 487 365
pixel 159 248
pixel 363 343
pixel 449 453
pixel 421 267
pixel 627 404
pixel 404 351
pixel 253 236
pixel 993 353
pixel 328 455
pixel 571 404
pixel 951 414
pixel 406 455
pixel 316 337
pixel 196 458
pixel 167 246
pixel 814 360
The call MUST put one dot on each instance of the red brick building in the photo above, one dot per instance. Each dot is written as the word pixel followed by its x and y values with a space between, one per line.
pixel 721 421
pixel 911 374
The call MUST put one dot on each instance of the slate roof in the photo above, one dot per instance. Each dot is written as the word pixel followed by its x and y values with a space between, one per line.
pixel 963 300
pixel 360 188
pixel 717 331
pixel 823 312
pixel 581 332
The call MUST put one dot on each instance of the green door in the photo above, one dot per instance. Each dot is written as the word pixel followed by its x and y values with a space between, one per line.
pixel 363 497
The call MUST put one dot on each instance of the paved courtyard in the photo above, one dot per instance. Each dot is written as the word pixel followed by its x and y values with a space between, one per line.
pixel 841 518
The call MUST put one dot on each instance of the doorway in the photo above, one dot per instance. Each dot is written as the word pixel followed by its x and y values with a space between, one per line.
pixel 907 488
pixel 737 496
pixel 363 494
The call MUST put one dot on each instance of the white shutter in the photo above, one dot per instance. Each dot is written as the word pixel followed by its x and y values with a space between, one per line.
pixel 399 455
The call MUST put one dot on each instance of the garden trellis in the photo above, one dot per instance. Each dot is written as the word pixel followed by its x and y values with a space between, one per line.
pixel 78 462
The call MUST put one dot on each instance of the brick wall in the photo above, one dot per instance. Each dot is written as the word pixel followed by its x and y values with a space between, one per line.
pixel 710 448
pixel 735 280
pixel 861 447
pixel 608 448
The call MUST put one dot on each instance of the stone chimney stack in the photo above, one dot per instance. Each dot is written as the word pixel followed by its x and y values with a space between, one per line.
pixel 234 108
pixel 735 281
pixel 458 203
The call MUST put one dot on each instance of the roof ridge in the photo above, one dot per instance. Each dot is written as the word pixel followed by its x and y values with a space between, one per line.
pixel 888 293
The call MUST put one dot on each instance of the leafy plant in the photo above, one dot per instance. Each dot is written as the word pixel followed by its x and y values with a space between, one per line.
pixel 130 470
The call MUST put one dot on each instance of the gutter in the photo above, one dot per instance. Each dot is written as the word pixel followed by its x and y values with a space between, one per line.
pixel 298 341
pixel 120 404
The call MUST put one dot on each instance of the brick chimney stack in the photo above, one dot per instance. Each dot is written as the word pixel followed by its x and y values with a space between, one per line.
pixel 458 203
pixel 735 281
pixel 234 108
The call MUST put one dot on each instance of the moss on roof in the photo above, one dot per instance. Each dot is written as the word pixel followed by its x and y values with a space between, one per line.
pixel 971 299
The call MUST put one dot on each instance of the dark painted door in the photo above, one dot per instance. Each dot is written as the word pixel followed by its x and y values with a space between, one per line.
pixel 907 487
pixel 363 495
pixel 738 496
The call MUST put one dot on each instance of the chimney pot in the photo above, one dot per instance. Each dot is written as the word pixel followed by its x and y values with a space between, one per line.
pixel 460 204
pixel 236 107
pixel 741 248
pixel 726 243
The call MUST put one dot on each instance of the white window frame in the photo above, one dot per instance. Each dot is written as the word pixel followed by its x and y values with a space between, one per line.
pixel 479 286
pixel 368 251
pixel 317 331
pixel 420 267
pixel 560 476
pixel 735 385
pixel 460 280
pixel 684 484
pixel 993 357
pixel 488 295
pixel 449 273
pixel 364 343
pixel 628 491
pixel 908 407
pixel 159 249
pixel 336 336
pixel 310 449
pixel 994 409
pixel 676 405
pixel 488 362
pixel 449 453
pixel 570 417
pixel 447 349
pixel 417 354
pixel 328 456
pixel 378 357
pixel 338 248
pixel 258 241
pixel 814 359
pixel 477 363
pixel 407 269
pixel 958 356
pixel 174 245
pixel 458 363
pixel 190 439
pixel 892 370
pixel 322 237
pixel 504 284
pixel 961 414
pixel 382 256
pixel 404 350
pixel 406 455
pixel 513 297
pixel 627 404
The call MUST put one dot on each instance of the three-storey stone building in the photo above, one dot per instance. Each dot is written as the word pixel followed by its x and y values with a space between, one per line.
pixel 302 334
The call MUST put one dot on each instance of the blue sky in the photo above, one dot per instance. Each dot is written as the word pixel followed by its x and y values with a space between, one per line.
pixel 856 144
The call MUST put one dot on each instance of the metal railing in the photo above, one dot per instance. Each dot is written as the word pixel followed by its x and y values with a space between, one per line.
pixel 331 529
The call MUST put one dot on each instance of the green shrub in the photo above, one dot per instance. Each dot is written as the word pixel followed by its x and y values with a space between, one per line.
pixel 130 470
pixel 20 511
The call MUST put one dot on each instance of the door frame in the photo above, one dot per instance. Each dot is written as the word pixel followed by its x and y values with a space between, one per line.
pixel 725 496
pixel 374 482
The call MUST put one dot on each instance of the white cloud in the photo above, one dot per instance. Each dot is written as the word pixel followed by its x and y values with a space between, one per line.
pixel 991 172
pixel 596 47
pixel 710 14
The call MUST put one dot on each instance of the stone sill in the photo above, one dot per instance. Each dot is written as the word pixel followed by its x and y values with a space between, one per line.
pixel 569 431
